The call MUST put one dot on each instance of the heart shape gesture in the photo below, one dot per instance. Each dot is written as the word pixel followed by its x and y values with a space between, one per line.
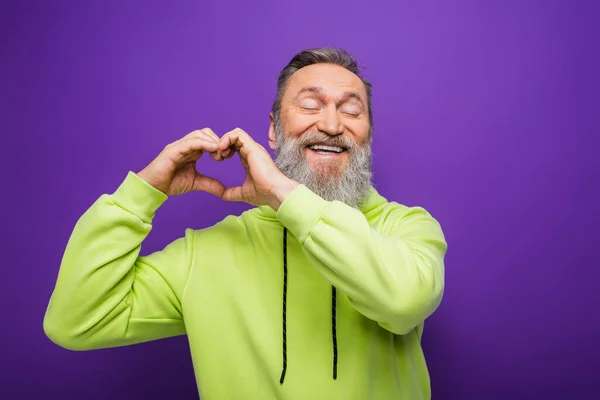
pixel 174 171
pixel 265 184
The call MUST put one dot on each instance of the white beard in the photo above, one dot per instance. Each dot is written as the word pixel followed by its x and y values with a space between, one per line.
pixel 349 184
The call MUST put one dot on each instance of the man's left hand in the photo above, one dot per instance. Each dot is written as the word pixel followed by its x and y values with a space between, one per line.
pixel 265 184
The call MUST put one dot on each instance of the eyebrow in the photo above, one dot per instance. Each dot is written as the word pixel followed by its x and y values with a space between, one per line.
pixel 342 99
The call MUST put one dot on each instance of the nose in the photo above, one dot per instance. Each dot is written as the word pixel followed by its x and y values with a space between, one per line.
pixel 329 121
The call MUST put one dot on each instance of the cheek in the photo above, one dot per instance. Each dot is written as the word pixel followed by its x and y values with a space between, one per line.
pixel 360 130
pixel 298 123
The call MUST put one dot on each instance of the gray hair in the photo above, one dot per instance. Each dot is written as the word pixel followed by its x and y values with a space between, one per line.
pixel 324 55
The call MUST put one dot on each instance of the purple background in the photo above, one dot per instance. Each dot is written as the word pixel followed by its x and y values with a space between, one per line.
pixel 484 114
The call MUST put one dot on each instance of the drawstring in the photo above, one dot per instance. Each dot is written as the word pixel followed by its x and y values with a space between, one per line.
pixel 333 316
pixel 284 305
pixel 334 331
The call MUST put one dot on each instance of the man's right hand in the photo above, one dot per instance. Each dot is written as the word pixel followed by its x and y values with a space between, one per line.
pixel 173 171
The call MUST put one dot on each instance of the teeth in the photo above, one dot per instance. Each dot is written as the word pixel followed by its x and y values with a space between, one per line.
pixel 327 148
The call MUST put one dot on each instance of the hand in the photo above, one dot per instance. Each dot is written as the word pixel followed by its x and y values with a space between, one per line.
pixel 265 184
pixel 173 171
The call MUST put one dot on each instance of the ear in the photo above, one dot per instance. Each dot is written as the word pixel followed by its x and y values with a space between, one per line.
pixel 272 141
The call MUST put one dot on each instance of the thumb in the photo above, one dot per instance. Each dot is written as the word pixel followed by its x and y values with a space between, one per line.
pixel 208 184
pixel 233 194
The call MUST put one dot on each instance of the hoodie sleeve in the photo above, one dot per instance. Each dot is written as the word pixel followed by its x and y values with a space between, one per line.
pixel 393 275
pixel 106 294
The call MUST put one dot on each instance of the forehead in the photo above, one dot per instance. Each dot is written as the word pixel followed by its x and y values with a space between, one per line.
pixel 333 80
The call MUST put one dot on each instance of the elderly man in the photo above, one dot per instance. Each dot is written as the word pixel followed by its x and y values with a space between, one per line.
pixel 320 291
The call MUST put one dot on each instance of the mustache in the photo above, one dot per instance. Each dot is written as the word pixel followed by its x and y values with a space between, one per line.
pixel 325 139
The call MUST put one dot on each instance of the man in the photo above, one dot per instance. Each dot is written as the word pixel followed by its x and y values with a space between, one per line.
pixel 318 292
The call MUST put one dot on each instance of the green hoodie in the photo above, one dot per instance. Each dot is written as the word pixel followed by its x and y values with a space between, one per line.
pixel 318 300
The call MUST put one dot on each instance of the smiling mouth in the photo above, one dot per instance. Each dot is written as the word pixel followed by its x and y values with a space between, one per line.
pixel 324 149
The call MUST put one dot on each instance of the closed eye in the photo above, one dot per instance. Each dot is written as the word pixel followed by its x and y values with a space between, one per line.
pixel 310 104
pixel 351 110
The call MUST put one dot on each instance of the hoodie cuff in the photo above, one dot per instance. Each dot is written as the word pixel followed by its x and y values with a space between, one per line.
pixel 139 197
pixel 301 211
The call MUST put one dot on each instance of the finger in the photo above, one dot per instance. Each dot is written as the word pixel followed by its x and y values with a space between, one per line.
pixel 233 194
pixel 235 138
pixel 216 155
pixel 208 134
pixel 226 149
pixel 197 143
pixel 239 140
pixel 227 153
pixel 204 132
pixel 225 142
pixel 211 135
pixel 208 184
pixel 191 148
pixel 230 152
pixel 245 165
